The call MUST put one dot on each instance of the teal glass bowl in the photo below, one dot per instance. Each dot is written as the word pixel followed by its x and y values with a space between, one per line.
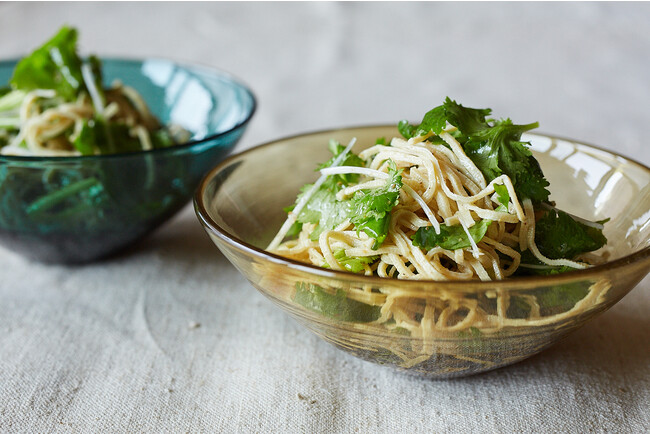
pixel 80 209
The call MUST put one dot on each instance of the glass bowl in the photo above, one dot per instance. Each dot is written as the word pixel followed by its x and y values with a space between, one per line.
pixel 451 328
pixel 79 209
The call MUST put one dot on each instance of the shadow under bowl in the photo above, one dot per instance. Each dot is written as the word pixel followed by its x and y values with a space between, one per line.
pixel 80 209
pixel 435 329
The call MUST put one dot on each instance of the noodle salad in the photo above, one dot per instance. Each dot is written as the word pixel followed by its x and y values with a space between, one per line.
pixel 459 196
pixel 56 105
pixel 56 111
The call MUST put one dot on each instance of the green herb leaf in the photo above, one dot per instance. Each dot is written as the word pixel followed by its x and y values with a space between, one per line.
pixel 108 138
pixel 561 298
pixel 120 135
pixel 354 264
pixel 161 138
pixel 406 129
pixel 294 230
pixel 296 227
pixel 472 332
pixel 370 209
pixel 55 65
pixel 88 137
pixel 502 195
pixel 376 228
pixel 323 207
pixel 469 121
pixel 381 141
pixel 558 235
pixel 495 148
pixel 450 237
pixel 351 159
pixel 434 121
pixel 334 305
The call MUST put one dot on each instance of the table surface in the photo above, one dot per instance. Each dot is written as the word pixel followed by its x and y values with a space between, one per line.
pixel 114 346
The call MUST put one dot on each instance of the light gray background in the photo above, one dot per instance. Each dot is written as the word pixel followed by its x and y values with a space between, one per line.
pixel 109 347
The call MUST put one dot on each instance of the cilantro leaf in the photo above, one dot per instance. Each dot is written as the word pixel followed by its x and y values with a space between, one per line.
pixel 502 196
pixel 494 147
pixel 337 305
pixel 296 227
pixel 294 230
pixel 370 209
pixel 87 138
pixel 558 235
pixel 351 159
pixel 55 65
pixel 406 129
pixel 561 298
pixel 376 228
pixel 497 150
pixel 450 237
pixel 323 208
pixel 354 264
pixel 161 138
pixel 468 120
pixel 434 121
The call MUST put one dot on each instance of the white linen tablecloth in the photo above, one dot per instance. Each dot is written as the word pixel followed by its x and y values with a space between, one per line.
pixel 168 337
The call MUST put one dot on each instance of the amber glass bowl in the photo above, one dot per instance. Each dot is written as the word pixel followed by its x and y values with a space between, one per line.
pixel 447 328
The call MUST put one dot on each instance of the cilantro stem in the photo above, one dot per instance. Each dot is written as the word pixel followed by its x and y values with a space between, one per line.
pixel 46 202
pixel 11 101
pixel 10 122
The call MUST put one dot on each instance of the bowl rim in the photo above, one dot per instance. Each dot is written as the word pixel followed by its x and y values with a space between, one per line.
pixel 232 79
pixel 642 255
